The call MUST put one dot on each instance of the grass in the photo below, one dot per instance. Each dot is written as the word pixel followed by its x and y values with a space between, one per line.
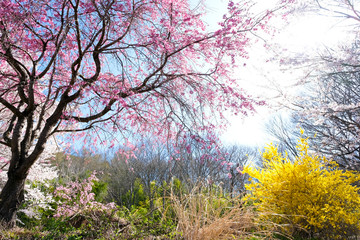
pixel 205 215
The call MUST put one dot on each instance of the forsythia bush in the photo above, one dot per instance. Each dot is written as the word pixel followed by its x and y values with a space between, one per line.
pixel 310 193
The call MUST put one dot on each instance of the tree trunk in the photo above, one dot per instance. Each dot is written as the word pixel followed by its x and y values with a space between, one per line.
pixel 12 195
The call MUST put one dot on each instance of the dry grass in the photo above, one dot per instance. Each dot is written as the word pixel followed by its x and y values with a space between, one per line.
pixel 204 215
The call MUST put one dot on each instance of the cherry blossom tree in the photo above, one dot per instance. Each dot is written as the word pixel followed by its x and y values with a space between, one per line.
pixel 80 67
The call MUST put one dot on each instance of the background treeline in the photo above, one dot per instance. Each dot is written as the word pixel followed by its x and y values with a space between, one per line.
pixel 131 181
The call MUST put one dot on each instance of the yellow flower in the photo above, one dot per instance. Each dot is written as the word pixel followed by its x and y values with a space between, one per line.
pixel 306 191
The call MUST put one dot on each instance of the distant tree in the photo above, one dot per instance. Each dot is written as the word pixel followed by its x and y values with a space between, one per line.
pixel 285 130
pixel 197 160
pixel 151 163
pixel 326 104
pixel 150 168
pixel 331 110
pixel 121 181
pixel 155 166
pixel 238 156
pixel 210 163
pixel 78 166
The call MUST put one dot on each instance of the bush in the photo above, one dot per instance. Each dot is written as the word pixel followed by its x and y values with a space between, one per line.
pixel 80 216
pixel 310 193
pixel 78 197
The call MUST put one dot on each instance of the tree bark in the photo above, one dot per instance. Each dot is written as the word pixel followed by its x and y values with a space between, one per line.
pixel 11 197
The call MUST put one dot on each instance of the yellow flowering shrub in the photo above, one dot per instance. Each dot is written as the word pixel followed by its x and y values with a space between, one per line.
pixel 309 194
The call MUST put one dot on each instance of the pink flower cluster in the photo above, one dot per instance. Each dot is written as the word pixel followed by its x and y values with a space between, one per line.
pixel 77 197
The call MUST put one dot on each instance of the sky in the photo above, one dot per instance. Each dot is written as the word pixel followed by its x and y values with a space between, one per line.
pixel 304 33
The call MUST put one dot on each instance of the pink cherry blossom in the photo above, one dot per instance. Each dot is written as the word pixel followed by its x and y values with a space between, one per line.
pixel 101 69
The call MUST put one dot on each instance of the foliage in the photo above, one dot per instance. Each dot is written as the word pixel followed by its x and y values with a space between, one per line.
pixel 147 221
pixel 93 225
pixel 151 213
pixel 136 196
pixel 100 190
pixel 310 193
